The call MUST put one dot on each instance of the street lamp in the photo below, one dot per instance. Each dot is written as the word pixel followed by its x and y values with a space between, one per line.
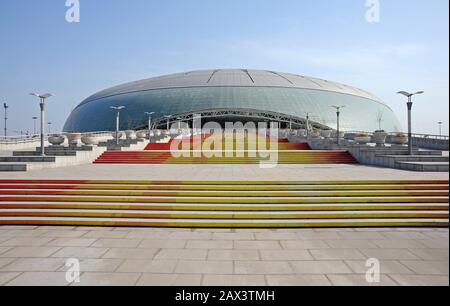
pixel 49 127
pixel 410 104
pixel 168 121
pixel 34 124
pixel 149 123
pixel 5 106
pixel 440 128
pixel 118 109
pixel 307 125
pixel 338 113
pixel 179 122
pixel 42 98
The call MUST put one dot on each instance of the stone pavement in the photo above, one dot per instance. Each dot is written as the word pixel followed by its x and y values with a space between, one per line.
pixel 225 172
pixel 145 256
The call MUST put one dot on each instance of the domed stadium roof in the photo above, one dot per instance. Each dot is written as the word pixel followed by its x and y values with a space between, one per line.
pixel 234 78
pixel 232 94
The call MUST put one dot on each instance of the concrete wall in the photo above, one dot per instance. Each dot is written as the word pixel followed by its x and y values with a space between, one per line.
pixel 20 146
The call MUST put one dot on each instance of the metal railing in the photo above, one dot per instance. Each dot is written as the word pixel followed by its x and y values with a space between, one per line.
pixel 428 136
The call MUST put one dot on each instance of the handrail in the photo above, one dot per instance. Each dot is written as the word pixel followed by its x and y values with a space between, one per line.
pixel 415 135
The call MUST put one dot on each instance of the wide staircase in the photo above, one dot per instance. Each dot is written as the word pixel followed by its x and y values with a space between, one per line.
pixel 208 150
pixel 235 204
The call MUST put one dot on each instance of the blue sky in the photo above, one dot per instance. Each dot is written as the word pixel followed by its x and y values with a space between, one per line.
pixel 119 41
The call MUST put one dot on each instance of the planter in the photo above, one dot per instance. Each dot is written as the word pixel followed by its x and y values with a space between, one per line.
pixel 141 134
pixel 301 133
pixel 379 138
pixel 362 140
pixel 400 139
pixel 349 136
pixel 314 135
pixel 326 133
pixel 56 140
pixel 73 139
pixel 120 134
pixel 334 135
pixel 130 134
pixel 89 140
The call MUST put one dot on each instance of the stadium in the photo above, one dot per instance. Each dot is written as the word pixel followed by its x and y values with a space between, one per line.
pixel 232 95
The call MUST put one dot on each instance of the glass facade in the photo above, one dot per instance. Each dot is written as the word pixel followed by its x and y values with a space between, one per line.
pixel 360 113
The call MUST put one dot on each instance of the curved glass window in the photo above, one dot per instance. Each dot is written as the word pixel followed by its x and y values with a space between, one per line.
pixel 360 113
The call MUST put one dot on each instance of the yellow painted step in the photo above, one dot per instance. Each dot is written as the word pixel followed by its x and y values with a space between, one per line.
pixel 225 207
pixel 243 200
pixel 227 188
pixel 220 215
pixel 246 194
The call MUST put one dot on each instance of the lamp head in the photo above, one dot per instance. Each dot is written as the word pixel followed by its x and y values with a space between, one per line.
pixel 338 107
pixel 409 95
pixel 42 96
pixel 118 108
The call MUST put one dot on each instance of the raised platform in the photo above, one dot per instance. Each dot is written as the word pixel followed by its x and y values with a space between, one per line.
pixel 60 156
pixel 395 157
pixel 424 166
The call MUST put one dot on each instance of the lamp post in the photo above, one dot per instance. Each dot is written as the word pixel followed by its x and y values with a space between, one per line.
pixel 307 125
pixel 149 123
pixel 49 127
pixel 410 105
pixel 42 99
pixel 5 106
pixel 179 122
pixel 440 128
pixel 338 114
pixel 168 121
pixel 118 109
pixel 34 124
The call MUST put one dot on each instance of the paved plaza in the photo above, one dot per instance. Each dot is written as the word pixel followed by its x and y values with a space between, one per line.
pixel 226 172
pixel 185 257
